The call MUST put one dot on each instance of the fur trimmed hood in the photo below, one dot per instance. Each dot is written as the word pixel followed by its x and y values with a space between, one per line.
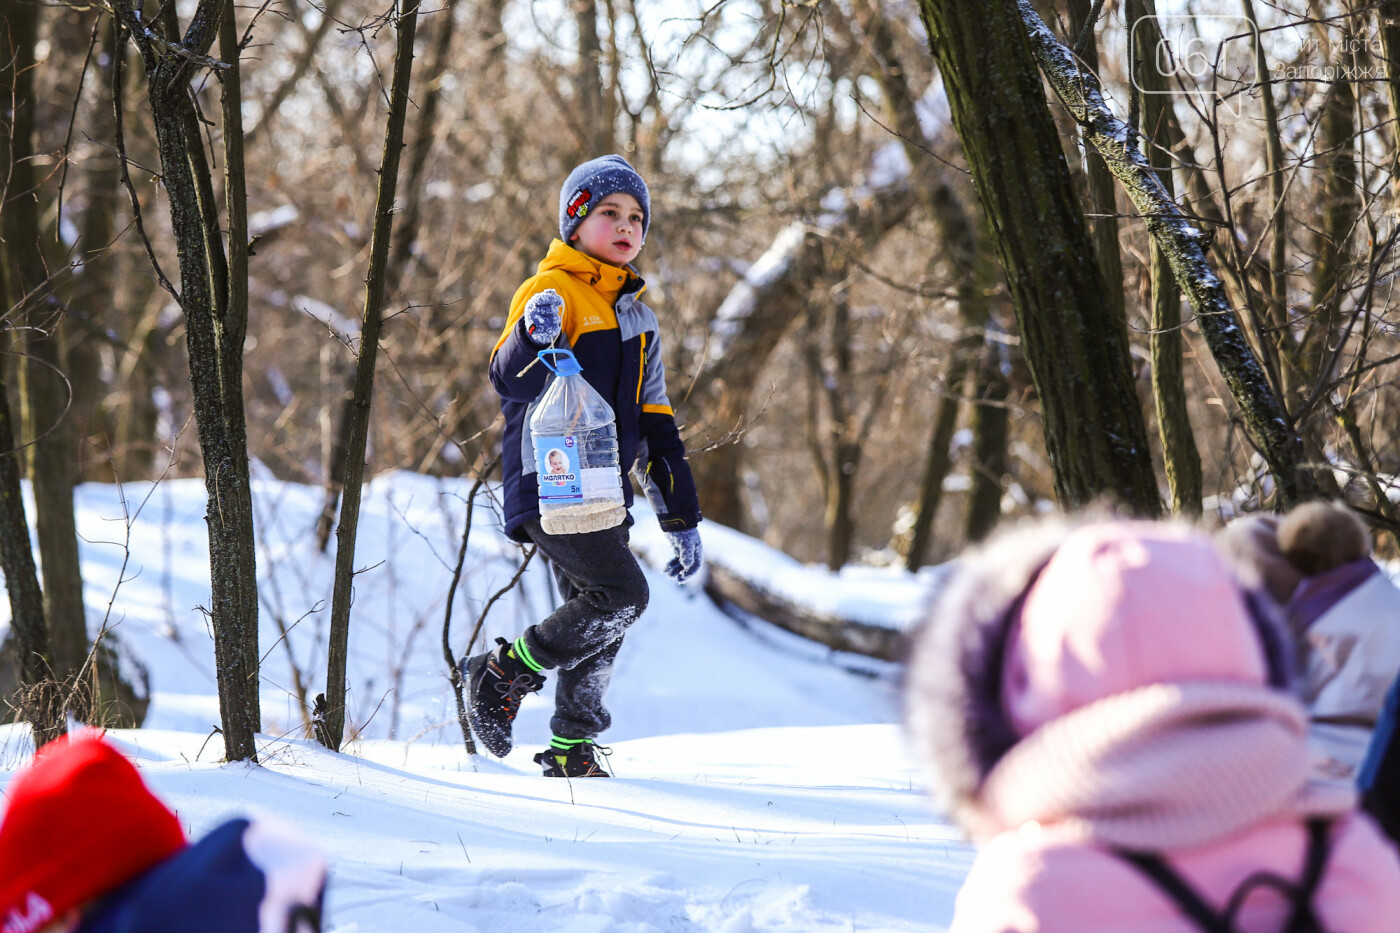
pixel 1048 618
pixel 954 677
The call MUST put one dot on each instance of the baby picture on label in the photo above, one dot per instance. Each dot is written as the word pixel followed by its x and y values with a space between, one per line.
pixel 557 466
pixel 560 472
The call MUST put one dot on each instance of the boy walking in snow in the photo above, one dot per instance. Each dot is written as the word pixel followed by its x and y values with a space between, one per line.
pixel 587 296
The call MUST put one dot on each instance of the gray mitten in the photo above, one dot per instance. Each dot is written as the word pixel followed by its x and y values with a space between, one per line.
pixel 542 316
pixel 689 557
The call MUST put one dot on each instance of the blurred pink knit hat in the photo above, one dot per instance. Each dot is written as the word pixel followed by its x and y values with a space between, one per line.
pixel 1122 605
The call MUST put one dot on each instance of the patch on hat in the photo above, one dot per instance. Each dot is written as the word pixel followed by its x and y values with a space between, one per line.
pixel 37 914
pixel 578 203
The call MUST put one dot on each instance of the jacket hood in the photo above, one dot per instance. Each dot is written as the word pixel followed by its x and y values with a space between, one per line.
pixel 1047 619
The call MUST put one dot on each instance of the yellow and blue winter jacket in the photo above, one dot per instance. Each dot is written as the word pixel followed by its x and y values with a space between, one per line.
pixel 615 339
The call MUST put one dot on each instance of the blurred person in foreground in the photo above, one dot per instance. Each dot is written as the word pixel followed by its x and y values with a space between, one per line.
pixel 85 847
pixel 1107 712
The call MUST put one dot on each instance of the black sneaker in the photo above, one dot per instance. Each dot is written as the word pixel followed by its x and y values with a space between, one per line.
pixel 578 760
pixel 496 683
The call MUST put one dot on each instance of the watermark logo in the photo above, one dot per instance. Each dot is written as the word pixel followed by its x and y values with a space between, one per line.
pixel 1222 61
pixel 1211 58
pixel 1326 59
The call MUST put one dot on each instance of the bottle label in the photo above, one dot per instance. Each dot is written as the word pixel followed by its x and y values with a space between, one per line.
pixel 556 463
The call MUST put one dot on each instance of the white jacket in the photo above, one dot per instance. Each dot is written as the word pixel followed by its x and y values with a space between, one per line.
pixel 1350 657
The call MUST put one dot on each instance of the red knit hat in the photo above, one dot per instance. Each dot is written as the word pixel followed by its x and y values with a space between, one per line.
pixel 80 823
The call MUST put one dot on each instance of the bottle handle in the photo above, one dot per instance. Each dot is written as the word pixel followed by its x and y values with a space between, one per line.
pixel 544 355
pixel 548 351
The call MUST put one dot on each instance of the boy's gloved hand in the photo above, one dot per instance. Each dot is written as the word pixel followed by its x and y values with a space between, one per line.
pixel 542 313
pixel 688 559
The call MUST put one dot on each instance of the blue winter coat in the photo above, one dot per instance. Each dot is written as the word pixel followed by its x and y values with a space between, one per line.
pixel 241 877
pixel 615 338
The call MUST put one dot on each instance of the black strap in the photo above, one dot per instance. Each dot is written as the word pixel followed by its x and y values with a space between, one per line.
pixel 1312 877
pixel 304 918
pixel 1178 890
pixel 1303 918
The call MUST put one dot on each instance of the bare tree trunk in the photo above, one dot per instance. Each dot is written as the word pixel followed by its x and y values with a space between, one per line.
pixel 1346 419
pixel 1278 209
pixel 1237 292
pixel 41 695
pixel 1181 460
pixel 990 431
pixel 52 462
pixel 595 133
pixel 236 312
pixel 449 657
pixel 404 237
pixel 334 731
pixel 1075 344
pixel 334 466
pixel 44 389
pixel 93 283
pixel 754 316
pixel 839 458
pixel 311 45
pixel 407 230
pixel 134 440
pixel 215 326
pixel 974 270
pixel 136 421
pixel 1303 358
pixel 938 456
pixel 1388 18
pixel 1264 416
pixel 976 276
pixel 22 279
pixel 1103 203
pixel 1341 206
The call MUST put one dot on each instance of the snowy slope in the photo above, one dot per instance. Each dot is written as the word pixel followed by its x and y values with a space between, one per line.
pixel 760 786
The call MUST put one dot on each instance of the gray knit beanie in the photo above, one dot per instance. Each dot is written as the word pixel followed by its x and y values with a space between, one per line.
pixel 593 181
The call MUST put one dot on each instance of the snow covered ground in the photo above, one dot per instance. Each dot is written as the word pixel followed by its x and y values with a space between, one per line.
pixel 762 785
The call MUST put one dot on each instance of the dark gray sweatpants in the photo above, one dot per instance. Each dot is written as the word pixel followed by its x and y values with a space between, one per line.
pixel 604 592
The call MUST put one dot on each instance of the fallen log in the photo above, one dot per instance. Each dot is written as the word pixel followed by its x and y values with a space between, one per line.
pixel 728 590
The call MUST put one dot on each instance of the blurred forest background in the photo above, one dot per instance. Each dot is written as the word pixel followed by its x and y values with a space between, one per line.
pixel 840 340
